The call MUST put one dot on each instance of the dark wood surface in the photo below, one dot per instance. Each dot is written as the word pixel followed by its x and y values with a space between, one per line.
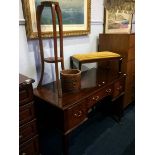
pixel 71 110
pixel 123 44
pixel 91 81
pixel 28 138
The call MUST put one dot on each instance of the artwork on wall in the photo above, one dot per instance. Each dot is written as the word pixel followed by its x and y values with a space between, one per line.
pixel 117 22
pixel 75 16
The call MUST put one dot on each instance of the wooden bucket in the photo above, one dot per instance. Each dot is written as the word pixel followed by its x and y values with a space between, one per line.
pixel 70 80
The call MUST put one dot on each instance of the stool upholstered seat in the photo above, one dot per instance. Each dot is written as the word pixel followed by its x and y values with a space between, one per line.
pixel 96 55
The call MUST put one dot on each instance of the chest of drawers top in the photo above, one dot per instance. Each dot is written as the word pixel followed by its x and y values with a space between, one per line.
pixel 25 89
pixel 24 81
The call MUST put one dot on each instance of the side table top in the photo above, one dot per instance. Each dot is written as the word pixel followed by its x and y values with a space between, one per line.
pixel 91 81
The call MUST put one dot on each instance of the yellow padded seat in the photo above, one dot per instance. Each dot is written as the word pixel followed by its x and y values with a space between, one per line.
pixel 96 55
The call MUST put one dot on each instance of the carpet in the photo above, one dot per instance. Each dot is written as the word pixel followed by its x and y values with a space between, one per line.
pixel 100 135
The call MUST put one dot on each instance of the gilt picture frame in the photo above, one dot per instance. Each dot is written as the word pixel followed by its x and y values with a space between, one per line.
pixel 117 22
pixel 75 16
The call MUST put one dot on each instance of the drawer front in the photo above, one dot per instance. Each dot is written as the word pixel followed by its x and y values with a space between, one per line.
pixel 98 96
pixel 74 115
pixel 27 131
pixel 30 147
pixel 119 87
pixel 26 113
pixel 25 94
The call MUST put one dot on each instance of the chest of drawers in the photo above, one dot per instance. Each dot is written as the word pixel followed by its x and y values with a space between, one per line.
pixel 123 44
pixel 28 138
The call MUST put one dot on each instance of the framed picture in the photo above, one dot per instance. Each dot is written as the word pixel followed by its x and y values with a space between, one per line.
pixel 117 22
pixel 75 16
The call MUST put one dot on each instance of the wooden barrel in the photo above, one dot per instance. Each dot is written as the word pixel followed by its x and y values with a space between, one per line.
pixel 70 80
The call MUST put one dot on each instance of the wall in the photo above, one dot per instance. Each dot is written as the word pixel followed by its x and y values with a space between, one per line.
pixel 29 61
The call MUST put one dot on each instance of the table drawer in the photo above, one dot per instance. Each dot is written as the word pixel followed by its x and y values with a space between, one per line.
pixel 25 94
pixel 74 115
pixel 27 131
pixel 98 96
pixel 26 113
pixel 118 87
pixel 30 147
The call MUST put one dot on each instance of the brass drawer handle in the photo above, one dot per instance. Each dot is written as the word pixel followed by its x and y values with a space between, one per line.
pixel 96 98
pixel 101 84
pixel 108 90
pixel 78 114
pixel 119 88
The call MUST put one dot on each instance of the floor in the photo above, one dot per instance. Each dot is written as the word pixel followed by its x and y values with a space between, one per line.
pixel 100 135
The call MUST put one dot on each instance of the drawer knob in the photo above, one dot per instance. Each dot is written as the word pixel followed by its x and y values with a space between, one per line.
pixel 24 153
pixel 78 114
pixel 119 88
pixel 99 85
pixel 108 90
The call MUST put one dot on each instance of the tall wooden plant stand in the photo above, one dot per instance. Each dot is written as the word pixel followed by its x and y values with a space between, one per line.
pixel 55 10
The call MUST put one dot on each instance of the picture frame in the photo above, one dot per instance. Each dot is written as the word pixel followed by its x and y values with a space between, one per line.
pixel 117 22
pixel 76 18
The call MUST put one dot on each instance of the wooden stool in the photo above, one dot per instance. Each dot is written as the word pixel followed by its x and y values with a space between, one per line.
pixel 95 57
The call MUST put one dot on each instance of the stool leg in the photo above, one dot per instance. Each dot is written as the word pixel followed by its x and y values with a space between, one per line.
pixel 79 65
pixel 71 63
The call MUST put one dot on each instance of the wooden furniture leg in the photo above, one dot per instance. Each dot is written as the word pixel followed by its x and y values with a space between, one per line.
pixel 117 109
pixel 71 63
pixel 65 144
pixel 80 65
